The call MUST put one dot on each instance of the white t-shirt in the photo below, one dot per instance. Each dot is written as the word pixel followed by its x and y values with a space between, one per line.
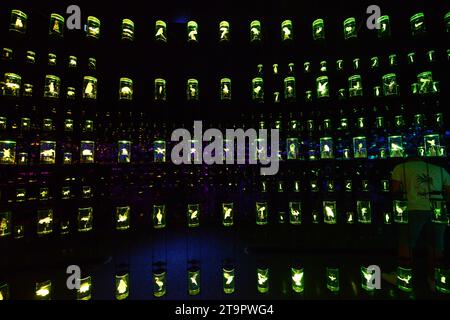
pixel 418 180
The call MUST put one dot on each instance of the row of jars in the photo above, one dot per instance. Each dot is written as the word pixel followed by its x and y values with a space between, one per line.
pixel 425 85
pixel 431 147
pixel 418 26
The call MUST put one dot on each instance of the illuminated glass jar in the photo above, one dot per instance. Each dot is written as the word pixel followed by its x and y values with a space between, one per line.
pixel 87 151
pixel 432 145
pixel 417 23
pixel 224 31
pixel 387 218
pixel 326 148
pixel 159 151
pixel 350 217
pixel 293 148
pixel 31 57
pixel 439 210
pixel 65 193
pixel 295 213
pixel 4 291
pixel 56 25
pixel 385 27
pixel 374 62
pixel 159 283
pixel 404 279
pixel 228 277
pixel 262 278
pixel 298 280
pixel 411 57
pixel 289 89
pixel 93 27
pixel 193 281
pixel 333 279
pixel 67 159
pixel 377 91
pixel 5 224
pixel 89 87
pixel 193 215
pixel 355 88
pixel 431 56
pixel 160 90
pixel 48 152
pixel 124 151
pixel 7 152
pixel 192 90
pixel 340 65
pixel 85 290
pixel 318 29
pixel 425 82
pixel 442 277
pixel 258 89
pixel 126 89
pixel 27 90
pixel 159 216
pixel 323 66
pixel 367 278
pixel 329 212
pixel 322 87
pixel 360 147
pixel 85 219
pixel 12 84
pixel 364 210
pixel 123 218
pixel 350 28
pixel 392 60
pixel 225 89
pixel 73 62
pixel 19 231
pixel 86 192
pixel 7 54
pixel 160 31
pixel 390 86
pixel 22 158
pixel 255 31
pixel 44 290
pixel 18 22
pixel 122 285
pixel 396 149
pixel 64 227
pixel 44 221
pixel 400 211
pixel 281 217
pixel 52 86
pixel 92 64
pixel 414 88
pixel 192 31
pixel 385 185
pixel 287 32
pixel 127 30
pixel 307 67
pixel 262 213
pixel 356 63
pixel 43 193
pixel 227 214
pixel 259 69
pixel 47 125
pixel 70 94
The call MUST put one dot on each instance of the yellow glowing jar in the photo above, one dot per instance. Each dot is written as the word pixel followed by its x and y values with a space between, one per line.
pixel 228 276
pixel 193 215
pixel 18 22
pixel 298 280
pixel 159 283
pixel 44 290
pixel 122 286
pixel 56 27
pixel 227 214
pixel 193 281
pixel 93 27
pixel 44 222
pixel 7 152
pixel 262 278
pixel 85 219
pixel 85 290
pixel 262 213
pixel 159 216
pixel 5 224
pixel 123 218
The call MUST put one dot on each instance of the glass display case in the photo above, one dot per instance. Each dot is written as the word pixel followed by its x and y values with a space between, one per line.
pixel 359 147
pixel 72 62
pixel 224 31
pixel 193 215
pixel 123 218
pixel 7 152
pixel 18 22
pixel 293 149
pixel 432 145
pixel 85 290
pixel 225 89
pixel 122 282
pixel 159 283
pixel 364 210
pixel 70 93
pixel 93 27
pixel 295 213
pixel 4 291
pixel 56 25
pixel 159 151
pixel 159 216
pixel 48 152
pixel 287 32
pixel 258 89
pixel 355 88
pixel 441 277
pixel 192 90
pixel 127 30
pixel 417 23
pixel 390 86
pixel 228 279
pixel 322 87
pixel 439 211
pixel 400 209
pixel 5 224
pixel 160 31
pixel 385 27
pixel 160 90
pixel 126 89
pixel 350 28
pixel 298 280
pixel 404 279
pixel 192 31
pixel 124 151
pixel 255 31
pixel 193 281
pixel 12 84
pixel 396 148
pixel 318 29
pixel 227 214
pixel 333 279
pixel 89 87
pixel 262 213
pixel 262 278
pixel 44 222
pixel 326 148
pixel 329 212
pixel 87 151
pixel 44 290
pixel 289 89
pixel 85 219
